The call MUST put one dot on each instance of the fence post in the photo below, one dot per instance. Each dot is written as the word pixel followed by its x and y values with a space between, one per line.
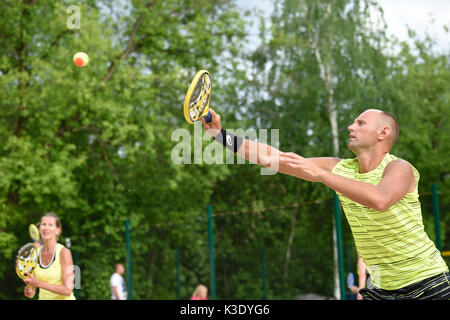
pixel 337 217
pixel 211 251
pixel 437 222
pixel 129 273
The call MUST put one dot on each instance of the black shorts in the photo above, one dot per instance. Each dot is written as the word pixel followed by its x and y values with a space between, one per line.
pixel 433 288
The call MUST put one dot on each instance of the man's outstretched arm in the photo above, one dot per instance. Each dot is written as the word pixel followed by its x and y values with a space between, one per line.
pixel 259 153
pixel 398 179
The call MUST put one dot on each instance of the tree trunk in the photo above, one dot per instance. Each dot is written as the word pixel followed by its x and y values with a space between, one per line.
pixel 291 236
pixel 326 74
pixel 151 262
pixel 289 246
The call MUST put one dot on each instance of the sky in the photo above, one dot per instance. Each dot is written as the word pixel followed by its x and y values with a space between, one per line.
pixel 417 14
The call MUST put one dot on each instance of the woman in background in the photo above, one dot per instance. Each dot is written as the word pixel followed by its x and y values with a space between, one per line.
pixel 54 274
pixel 200 293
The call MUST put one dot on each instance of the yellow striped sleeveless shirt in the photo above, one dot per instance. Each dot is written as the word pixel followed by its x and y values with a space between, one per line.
pixel 51 274
pixel 392 243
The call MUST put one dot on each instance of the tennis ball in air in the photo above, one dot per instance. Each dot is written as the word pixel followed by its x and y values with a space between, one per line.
pixel 81 59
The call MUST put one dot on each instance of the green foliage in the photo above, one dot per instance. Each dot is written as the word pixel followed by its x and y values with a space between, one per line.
pixel 93 144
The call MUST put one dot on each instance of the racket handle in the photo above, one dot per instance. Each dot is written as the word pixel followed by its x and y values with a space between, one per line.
pixel 208 117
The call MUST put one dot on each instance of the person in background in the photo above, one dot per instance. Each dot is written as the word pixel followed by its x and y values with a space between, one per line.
pixel 54 274
pixel 363 276
pixel 118 287
pixel 200 293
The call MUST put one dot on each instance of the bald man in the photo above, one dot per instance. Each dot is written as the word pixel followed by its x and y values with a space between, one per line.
pixel 379 195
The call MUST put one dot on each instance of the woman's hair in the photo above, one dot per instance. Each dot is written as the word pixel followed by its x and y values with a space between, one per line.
pixel 57 221
pixel 199 289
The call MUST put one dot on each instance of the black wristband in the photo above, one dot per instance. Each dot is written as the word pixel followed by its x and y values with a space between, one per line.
pixel 229 140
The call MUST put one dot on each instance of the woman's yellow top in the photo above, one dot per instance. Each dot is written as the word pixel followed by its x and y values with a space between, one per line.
pixel 51 273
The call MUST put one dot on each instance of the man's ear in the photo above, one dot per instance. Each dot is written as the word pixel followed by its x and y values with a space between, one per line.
pixel 384 133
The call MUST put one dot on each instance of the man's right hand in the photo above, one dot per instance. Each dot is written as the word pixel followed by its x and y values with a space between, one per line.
pixel 214 126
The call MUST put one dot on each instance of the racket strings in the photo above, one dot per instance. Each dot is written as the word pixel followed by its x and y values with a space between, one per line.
pixel 200 98
pixel 27 260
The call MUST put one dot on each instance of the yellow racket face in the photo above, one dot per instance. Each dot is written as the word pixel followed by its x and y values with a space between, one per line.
pixel 26 261
pixel 196 103
pixel 34 232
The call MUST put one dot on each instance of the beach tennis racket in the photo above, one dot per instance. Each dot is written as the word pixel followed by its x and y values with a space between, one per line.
pixel 26 260
pixel 196 103
pixel 34 232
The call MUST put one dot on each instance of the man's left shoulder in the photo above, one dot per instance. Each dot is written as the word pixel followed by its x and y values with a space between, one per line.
pixel 393 160
pixel 398 163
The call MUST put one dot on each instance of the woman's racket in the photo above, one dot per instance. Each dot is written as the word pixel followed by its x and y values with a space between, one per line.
pixel 196 103
pixel 26 261
pixel 34 232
